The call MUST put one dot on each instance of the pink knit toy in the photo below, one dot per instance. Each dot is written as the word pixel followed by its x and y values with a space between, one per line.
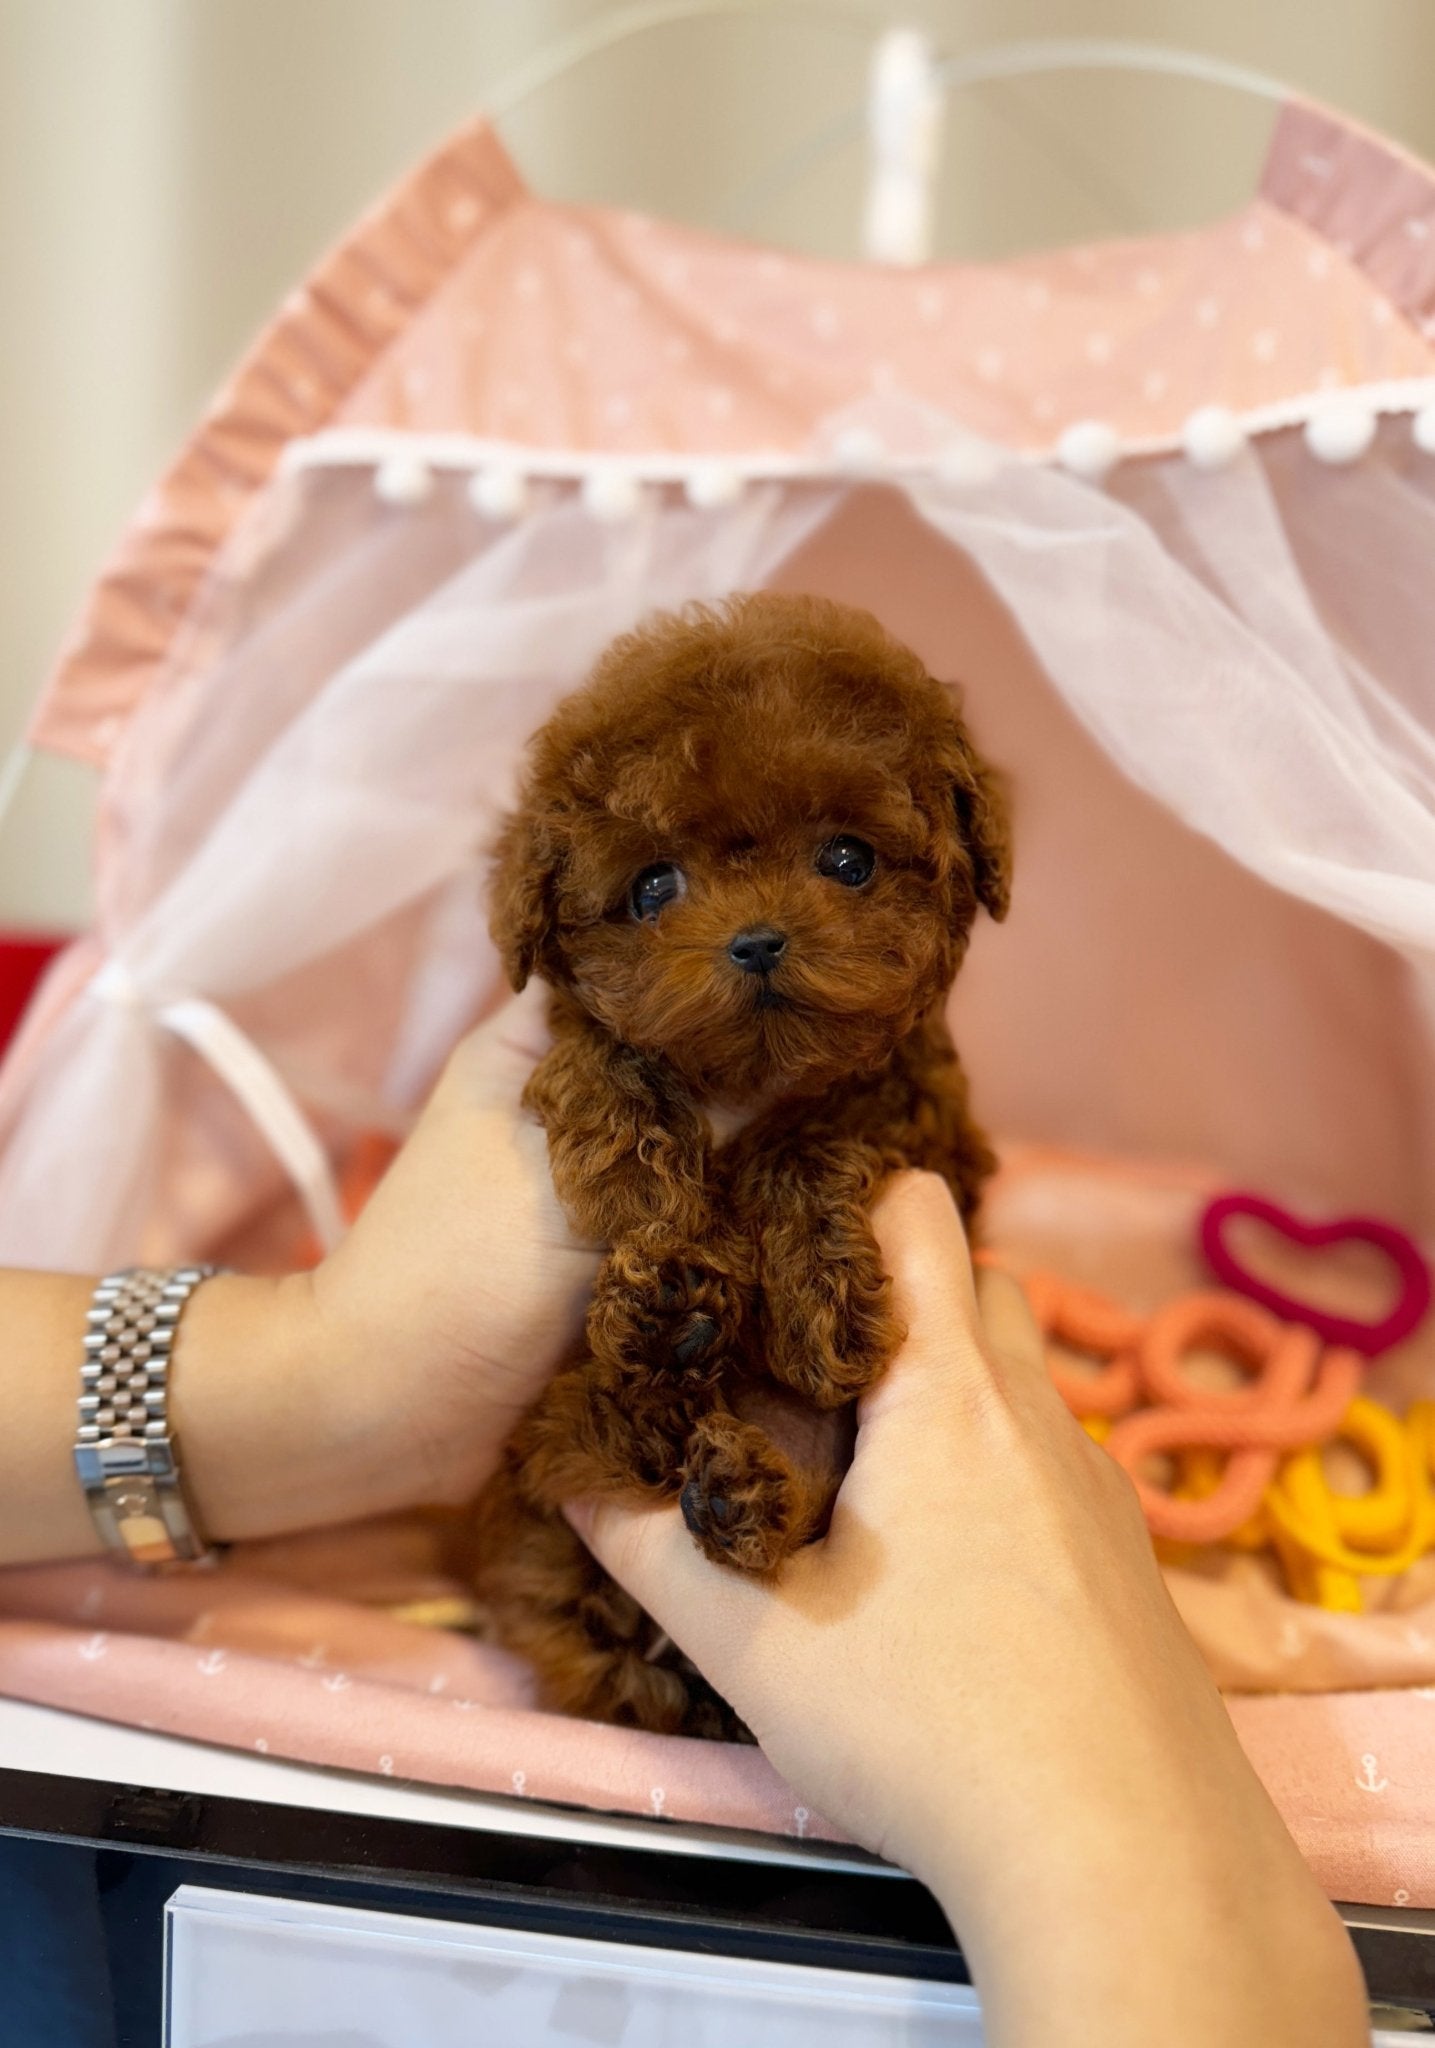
pixel 1295 1396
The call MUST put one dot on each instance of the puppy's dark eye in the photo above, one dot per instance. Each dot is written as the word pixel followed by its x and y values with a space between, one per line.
pixel 848 861
pixel 662 883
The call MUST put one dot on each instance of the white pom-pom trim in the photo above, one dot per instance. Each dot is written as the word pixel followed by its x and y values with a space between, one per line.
pixel 403 480
pixel 1340 432
pixel 1212 437
pixel 1089 448
pixel 499 491
pixel 611 494
pixel 404 469
pixel 857 451
pixel 712 485
pixel 967 462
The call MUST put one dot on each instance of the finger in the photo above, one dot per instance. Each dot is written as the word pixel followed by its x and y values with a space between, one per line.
pixel 924 1250
pixel 712 1614
pixel 1011 1330
pixel 951 1353
pixel 492 1065
pixel 520 1024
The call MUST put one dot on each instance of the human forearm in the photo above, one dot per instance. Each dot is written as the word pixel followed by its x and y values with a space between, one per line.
pixel 245 1406
pixel 1117 1927
pixel 388 1377
pixel 42 1511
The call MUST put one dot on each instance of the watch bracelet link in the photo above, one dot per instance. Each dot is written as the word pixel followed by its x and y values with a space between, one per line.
pixel 126 1458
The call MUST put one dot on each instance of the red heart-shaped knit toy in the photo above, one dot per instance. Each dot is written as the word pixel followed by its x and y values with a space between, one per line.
pixel 1368 1338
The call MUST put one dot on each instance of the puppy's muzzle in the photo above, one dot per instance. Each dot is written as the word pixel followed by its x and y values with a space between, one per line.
pixel 758 949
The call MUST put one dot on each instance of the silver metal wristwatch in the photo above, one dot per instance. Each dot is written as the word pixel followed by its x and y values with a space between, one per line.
pixel 125 1456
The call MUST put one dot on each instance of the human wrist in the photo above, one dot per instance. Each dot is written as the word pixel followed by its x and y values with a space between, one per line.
pixel 1134 1922
pixel 1122 1969
pixel 43 1512
pixel 265 1446
pixel 1051 1840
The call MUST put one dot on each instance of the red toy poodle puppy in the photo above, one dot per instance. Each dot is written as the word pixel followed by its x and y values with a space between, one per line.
pixel 746 858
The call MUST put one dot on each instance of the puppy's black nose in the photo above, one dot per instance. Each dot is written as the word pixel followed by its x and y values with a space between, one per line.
pixel 758 949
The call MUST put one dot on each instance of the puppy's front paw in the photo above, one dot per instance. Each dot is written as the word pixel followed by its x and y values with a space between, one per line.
pixel 740 1497
pixel 670 1315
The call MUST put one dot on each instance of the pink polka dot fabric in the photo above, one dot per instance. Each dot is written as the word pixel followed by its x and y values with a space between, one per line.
pixel 465 304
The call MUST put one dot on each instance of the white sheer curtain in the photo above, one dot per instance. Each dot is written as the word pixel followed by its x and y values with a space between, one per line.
pixel 294 828
pixel 165 200
pixel 1191 644
pixel 300 808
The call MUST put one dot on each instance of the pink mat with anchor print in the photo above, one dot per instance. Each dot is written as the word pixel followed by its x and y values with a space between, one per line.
pixel 309 1648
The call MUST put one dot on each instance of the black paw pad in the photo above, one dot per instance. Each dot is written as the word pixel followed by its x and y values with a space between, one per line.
pixel 708 1515
pixel 695 1338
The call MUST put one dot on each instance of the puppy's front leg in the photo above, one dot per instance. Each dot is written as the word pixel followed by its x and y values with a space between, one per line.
pixel 630 1150
pixel 806 1179
pixel 605 1432
pixel 828 1325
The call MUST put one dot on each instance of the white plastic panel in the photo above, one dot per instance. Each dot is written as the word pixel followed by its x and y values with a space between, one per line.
pixel 280 1973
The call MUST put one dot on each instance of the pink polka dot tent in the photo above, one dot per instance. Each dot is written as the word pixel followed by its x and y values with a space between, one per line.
pixel 1166 508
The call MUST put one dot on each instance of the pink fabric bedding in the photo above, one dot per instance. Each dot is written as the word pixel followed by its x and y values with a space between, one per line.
pixel 246 1657
pixel 309 1648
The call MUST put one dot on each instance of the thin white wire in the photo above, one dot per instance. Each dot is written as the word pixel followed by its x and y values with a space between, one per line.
pixel 981 67
pixel 626 22
pixel 1016 60
pixel 1025 60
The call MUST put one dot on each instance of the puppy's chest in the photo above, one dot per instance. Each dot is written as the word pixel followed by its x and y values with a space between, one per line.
pixel 751 1146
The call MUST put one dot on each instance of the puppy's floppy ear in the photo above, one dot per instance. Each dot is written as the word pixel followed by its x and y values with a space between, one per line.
pixel 977 796
pixel 523 896
pixel 984 820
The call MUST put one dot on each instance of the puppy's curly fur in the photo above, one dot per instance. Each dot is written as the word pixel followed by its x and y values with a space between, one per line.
pixel 746 858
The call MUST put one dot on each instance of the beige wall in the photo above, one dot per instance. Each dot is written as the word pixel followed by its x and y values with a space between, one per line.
pixel 170 167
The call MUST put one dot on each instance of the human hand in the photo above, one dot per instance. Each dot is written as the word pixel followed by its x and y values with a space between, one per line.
pixel 979 1673
pixel 460 1287
pixel 391 1375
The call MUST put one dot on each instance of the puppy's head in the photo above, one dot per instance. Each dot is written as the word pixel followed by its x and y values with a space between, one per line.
pixel 754 843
